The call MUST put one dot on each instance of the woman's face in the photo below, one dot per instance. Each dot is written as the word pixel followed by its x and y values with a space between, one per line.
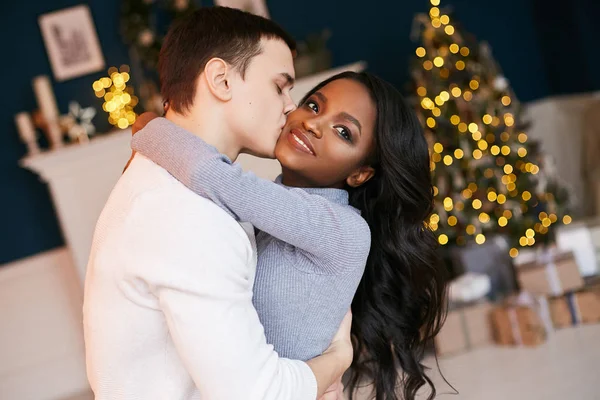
pixel 326 141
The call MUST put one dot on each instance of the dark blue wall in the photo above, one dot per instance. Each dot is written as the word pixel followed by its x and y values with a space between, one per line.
pixel 28 224
pixel 538 60
pixel 381 34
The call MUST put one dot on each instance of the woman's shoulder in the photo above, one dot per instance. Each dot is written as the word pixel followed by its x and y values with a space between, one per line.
pixel 355 229
pixel 353 216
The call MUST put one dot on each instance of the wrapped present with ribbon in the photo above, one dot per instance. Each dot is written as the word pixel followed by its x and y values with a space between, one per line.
pixel 467 324
pixel 522 321
pixel 466 327
pixel 550 273
pixel 581 307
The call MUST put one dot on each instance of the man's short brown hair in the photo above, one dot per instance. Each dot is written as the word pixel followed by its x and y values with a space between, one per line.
pixel 230 34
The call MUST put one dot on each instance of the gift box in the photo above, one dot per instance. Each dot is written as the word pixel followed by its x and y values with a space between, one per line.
pixel 576 307
pixel 595 234
pixel 550 274
pixel 466 327
pixel 469 288
pixel 492 259
pixel 579 238
pixel 521 321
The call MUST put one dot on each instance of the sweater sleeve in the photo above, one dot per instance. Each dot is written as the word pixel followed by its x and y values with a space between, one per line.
pixel 198 270
pixel 334 236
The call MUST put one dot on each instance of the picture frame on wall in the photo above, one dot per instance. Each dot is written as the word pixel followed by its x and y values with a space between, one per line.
pixel 257 7
pixel 71 42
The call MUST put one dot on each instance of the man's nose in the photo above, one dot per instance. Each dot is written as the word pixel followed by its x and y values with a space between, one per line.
pixel 289 106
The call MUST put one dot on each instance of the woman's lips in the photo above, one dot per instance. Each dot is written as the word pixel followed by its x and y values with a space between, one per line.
pixel 300 141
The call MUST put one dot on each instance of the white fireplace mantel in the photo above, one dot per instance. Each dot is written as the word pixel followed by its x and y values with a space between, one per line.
pixel 81 177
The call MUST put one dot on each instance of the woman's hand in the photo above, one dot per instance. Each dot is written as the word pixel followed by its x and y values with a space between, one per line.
pixel 142 120
pixel 139 124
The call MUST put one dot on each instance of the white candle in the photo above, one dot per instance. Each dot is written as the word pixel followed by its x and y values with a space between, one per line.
pixel 45 97
pixel 55 135
pixel 25 126
pixel 27 132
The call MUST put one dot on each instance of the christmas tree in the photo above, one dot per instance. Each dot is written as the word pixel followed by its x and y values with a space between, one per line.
pixel 489 177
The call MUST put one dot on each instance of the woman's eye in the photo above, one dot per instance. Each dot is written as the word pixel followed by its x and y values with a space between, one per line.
pixel 279 90
pixel 344 133
pixel 312 105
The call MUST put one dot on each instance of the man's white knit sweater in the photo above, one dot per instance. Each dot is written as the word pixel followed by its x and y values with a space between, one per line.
pixel 168 301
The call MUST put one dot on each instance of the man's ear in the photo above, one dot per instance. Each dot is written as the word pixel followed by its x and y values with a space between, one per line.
pixel 360 176
pixel 217 74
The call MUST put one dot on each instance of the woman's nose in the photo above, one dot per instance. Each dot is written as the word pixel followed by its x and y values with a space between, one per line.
pixel 311 125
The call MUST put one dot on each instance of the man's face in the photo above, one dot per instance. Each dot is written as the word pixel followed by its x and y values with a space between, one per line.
pixel 261 101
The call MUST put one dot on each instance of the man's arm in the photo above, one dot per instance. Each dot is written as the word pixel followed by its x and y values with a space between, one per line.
pixel 195 259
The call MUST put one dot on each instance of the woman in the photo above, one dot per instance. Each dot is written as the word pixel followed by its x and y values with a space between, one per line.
pixel 346 220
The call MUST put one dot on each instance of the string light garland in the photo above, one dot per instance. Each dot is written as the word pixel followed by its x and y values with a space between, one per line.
pixel 119 99
pixel 489 177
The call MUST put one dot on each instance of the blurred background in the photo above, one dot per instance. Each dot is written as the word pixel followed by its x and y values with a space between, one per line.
pixel 508 94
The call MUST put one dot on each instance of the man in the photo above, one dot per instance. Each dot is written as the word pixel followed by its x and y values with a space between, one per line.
pixel 168 311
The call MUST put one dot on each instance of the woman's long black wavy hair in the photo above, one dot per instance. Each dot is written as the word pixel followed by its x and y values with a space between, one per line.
pixel 400 302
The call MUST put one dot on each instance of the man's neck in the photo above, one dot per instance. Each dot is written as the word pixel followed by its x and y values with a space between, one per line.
pixel 209 127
